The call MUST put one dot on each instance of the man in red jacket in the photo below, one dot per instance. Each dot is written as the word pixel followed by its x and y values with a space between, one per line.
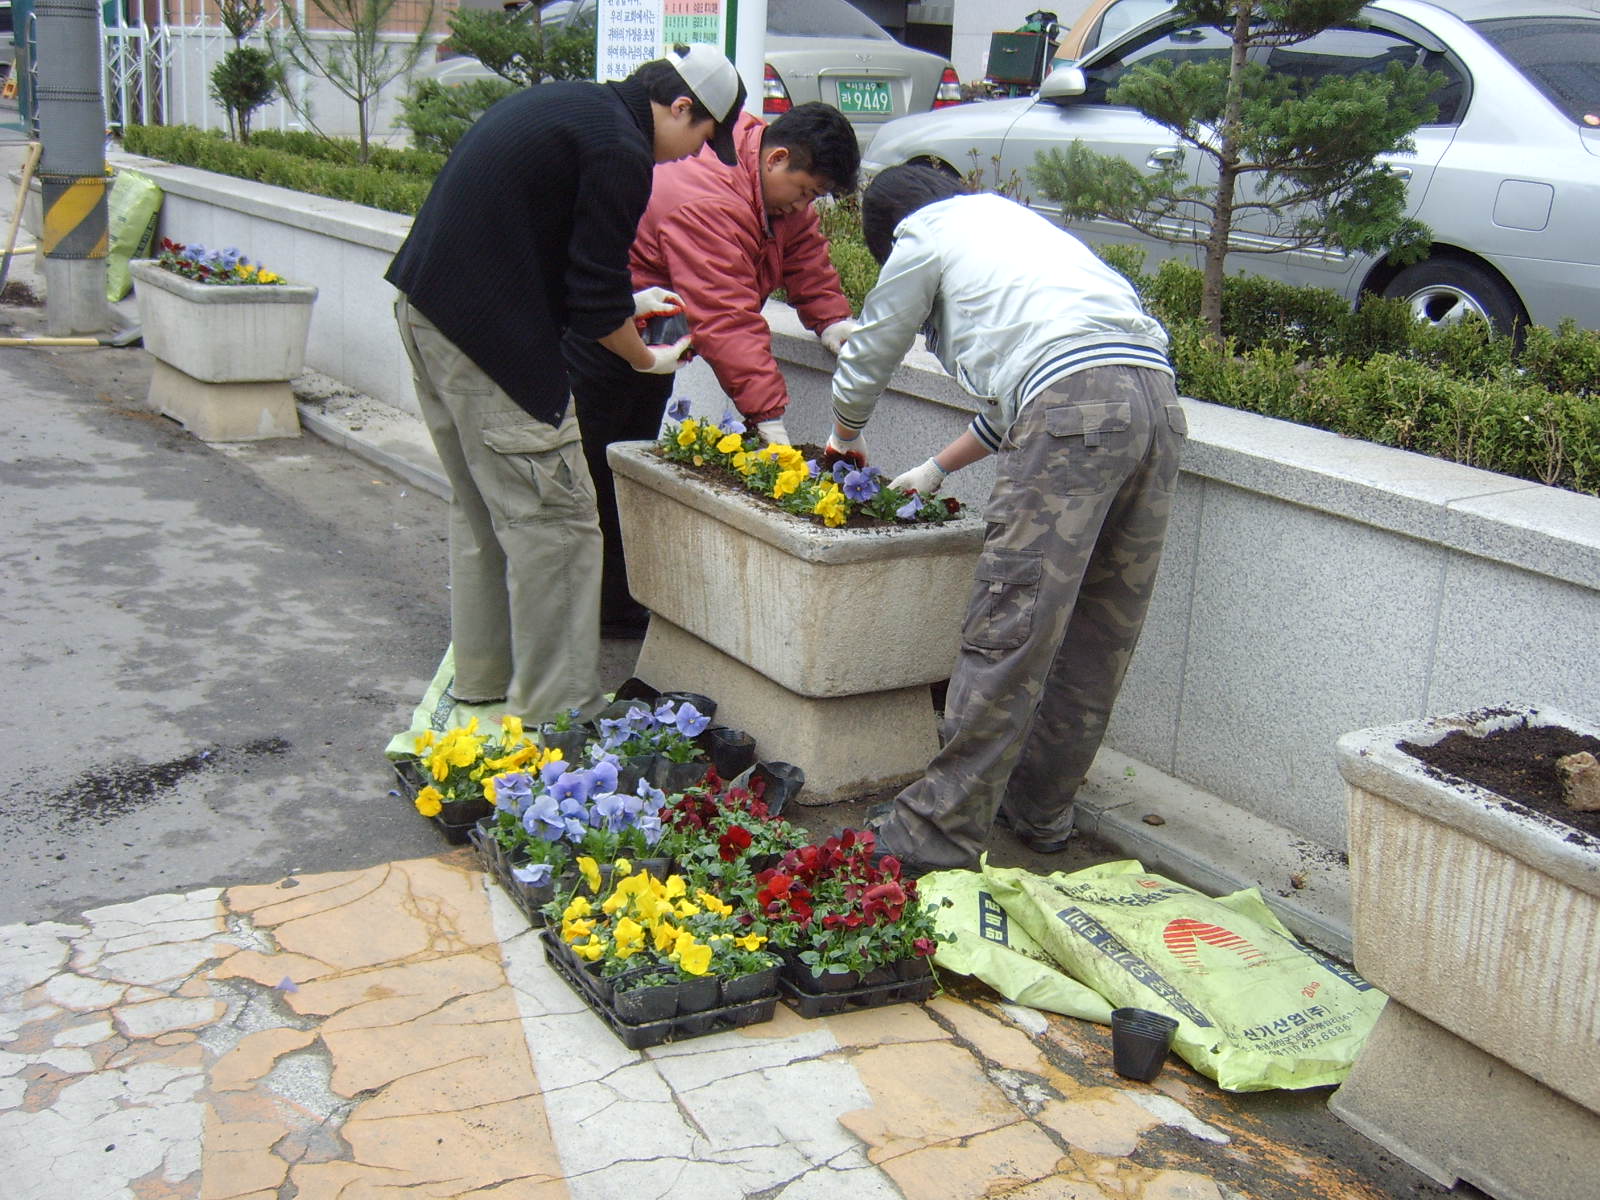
pixel 723 238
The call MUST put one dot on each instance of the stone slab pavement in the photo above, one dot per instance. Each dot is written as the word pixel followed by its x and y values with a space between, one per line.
pixel 396 1031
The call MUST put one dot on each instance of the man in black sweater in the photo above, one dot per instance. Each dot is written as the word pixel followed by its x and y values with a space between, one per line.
pixel 525 235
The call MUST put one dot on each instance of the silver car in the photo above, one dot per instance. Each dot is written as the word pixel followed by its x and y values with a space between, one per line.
pixel 815 50
pixel 1507 177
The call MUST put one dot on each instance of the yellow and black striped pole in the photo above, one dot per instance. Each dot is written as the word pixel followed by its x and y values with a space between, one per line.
pixel 72 180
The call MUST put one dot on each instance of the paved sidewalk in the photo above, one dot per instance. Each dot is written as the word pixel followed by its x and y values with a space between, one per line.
pixel 396 1031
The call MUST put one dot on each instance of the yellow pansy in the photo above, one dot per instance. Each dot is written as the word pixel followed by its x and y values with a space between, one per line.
pixel 831 507
pixel 621 869
pixel 425 739
pixel 695 960
pixel 729 443
pixel 571 931
pixel 789 458
pixel 629 936
pixel 591 950
pixel 430 802
pixel 268 277
pixel 712 904
pixel 750 941
pixel 744 463
pixel 687 908
pixel 688 432
pixel 787 482
pixel 675 887
pixel 578 907
pixel 666 936
pixel 512 726
pixel 590 870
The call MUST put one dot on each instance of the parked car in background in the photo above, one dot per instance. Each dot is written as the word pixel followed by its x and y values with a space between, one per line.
pixel 816 50
pixel 1104 21
pixel 1507 176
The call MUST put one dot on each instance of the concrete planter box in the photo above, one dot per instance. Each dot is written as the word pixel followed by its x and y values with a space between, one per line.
pixel 224 354
pixel 821 643
pixel 1482 922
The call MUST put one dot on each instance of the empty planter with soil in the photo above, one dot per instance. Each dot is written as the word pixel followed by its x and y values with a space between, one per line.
pixel 1475 893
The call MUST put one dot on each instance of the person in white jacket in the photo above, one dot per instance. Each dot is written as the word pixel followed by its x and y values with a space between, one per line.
pixel 1079 404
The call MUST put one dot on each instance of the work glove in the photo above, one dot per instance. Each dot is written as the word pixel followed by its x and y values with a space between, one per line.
pixel 855 449
pixel 835 335
pixel 924 480
pixel 664 360
pixel 773 433
pixel 656 302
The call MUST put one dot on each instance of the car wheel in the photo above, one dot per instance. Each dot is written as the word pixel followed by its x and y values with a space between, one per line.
pixel 1445 291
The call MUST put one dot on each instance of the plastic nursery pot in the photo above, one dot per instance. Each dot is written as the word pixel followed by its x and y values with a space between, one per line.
pixel 698 995
pixel 631 770
pixel 618 709
pixel 704 705
pixel 655 1002
pixel 732 751
pixel 783 780
pixel 1140 1040
pixel 754 986
pixel 672 777
pixel 634 688
pixel 571 743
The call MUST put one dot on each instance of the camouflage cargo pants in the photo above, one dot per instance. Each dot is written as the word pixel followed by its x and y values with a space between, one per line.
pixel 1075 526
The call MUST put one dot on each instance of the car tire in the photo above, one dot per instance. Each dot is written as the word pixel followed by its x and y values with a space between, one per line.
pixel 1444 291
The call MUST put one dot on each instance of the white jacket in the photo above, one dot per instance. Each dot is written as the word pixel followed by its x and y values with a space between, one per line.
pixel 1011 302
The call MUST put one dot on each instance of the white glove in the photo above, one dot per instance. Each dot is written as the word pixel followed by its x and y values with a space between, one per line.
pixel 656 302
pixel 835 335
pixel 664 360
pixel 924 480
pixel 856 445
pixel 773 433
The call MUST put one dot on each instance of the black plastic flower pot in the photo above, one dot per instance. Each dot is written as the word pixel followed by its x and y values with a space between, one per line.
pixel 754 986
pixel 674 777
pixel 571 743
pixel 911 969
pixel 1140 1040
pixel 704 705
pixel 631 770
pixel 731 751
pixel 634 688
pixel 879 976
pixel 698 995
pixel 783 783
pixel 657 1002
pixel 464 812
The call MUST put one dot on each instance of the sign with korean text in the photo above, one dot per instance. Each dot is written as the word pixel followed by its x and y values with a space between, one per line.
pixel 633 32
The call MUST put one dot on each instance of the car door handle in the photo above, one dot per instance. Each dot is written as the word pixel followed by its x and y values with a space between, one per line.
pixel 1397 171
pixel 1165 158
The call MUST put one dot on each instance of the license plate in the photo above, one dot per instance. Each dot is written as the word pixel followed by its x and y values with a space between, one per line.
pixel 865 96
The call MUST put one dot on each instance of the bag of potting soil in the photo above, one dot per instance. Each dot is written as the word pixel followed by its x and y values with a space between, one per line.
pixel 131 216
pixel 1255 1008
pixel 992 947
pixel 439 710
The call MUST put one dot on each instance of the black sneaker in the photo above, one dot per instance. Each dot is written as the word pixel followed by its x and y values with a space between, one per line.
pixel 1039 845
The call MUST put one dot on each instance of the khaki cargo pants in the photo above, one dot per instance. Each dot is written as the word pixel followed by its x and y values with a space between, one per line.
pixel 524 536
pixel 1075 527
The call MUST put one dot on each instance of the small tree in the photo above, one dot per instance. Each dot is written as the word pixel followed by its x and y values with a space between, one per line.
pixel 244 79
pixel 516 46
pixel 1297 157
pixel 360 62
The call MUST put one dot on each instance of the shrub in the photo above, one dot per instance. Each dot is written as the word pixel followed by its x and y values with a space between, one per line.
pixel 437 116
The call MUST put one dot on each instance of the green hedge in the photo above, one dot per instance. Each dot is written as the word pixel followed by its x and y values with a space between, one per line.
pixel 1301 354
pixel 391 181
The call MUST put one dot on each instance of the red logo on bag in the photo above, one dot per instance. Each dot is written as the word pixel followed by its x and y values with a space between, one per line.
pixel 1183 935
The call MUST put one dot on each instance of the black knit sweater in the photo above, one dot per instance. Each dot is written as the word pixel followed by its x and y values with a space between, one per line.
pixel 526 232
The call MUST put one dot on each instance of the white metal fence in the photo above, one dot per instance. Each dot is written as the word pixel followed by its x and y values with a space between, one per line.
pixel 160 74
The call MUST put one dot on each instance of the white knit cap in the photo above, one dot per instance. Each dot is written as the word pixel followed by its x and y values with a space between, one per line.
pixel 716 84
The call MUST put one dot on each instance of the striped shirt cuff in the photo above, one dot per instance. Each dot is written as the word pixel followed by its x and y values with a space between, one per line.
pixel 986 433
pixel 1058 367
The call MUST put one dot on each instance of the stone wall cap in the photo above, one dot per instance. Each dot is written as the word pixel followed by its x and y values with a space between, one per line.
pixel 1371 759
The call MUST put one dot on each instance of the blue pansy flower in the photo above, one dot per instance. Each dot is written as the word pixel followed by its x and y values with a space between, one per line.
pixel 909 510
pixel 732 421
pixel 860 486
pixel 678 409
pixel 533 874
pixel 691 722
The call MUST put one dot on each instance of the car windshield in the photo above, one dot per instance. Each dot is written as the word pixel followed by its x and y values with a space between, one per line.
pixel 820 18
pixel 1560 57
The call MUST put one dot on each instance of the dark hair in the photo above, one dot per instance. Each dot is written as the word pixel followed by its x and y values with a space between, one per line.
pixel 663 84
pixel 820 141
pixel 897 192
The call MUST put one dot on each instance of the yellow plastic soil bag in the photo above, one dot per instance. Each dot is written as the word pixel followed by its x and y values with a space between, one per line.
pixel 1255 1008
pixel 992 947
pixel 439 710
pixel 131 215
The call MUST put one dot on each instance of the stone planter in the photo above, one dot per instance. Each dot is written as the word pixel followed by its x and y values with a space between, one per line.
pixel 820 643
pixel 224 354
pixel 1482 923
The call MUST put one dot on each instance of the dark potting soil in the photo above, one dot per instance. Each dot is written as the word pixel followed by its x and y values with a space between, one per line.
pixel 1518 763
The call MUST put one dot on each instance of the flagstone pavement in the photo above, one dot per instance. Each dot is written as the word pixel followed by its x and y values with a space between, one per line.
pixel 396 1031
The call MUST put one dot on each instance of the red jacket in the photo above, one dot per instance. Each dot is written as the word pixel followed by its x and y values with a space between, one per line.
pixel 707 237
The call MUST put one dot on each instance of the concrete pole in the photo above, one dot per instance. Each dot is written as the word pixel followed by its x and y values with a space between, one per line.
pixel 72 168
pixel 748 48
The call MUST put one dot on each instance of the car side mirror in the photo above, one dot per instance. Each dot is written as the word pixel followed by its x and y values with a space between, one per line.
pixel 1064 83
